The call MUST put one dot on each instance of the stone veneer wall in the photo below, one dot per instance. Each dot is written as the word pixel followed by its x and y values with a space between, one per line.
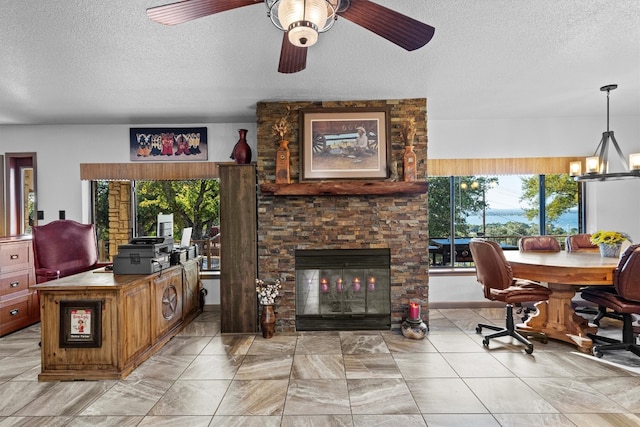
pixel 119 215
pixel 397 222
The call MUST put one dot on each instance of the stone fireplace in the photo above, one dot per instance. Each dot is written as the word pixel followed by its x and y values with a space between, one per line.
pixel 393 221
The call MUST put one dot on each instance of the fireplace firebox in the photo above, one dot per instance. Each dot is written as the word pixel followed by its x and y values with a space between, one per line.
pixel 343 289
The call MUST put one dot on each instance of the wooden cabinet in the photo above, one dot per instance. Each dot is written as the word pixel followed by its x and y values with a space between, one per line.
pixel 191 289
pixel 139 314
pixel 238 249
pixel 167 307
pixel 18 302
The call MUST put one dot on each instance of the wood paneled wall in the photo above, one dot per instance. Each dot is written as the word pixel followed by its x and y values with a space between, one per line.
pixel 149 171
pixel 499 166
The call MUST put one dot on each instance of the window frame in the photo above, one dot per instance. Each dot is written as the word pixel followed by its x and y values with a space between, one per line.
pixel 542 223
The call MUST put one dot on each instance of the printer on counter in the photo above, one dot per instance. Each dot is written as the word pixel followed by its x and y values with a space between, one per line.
pixel 143 255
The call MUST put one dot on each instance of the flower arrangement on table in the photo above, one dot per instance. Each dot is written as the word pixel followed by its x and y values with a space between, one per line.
pixel 609 237
pixel 268 291
pixel 610 242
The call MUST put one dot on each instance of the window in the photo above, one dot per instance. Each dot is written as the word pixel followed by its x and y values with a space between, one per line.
pixel 193 203
pixel 499 207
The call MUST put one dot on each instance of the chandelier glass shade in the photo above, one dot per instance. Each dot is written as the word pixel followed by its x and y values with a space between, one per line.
pixel 302 19
pixel 597 165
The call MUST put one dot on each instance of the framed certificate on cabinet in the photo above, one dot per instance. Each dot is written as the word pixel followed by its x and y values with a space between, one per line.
pixel 81 324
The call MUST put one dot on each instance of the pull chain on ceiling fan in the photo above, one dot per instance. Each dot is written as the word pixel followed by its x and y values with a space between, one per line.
pixel 302 21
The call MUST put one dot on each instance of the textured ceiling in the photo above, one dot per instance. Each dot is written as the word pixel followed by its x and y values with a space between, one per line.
pixel 95 62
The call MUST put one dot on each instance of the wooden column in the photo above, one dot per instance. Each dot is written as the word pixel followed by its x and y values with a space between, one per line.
pixel 238 248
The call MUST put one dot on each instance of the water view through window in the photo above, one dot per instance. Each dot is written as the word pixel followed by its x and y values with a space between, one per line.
pixel 501 208
pixel 567 221
pixel 504 205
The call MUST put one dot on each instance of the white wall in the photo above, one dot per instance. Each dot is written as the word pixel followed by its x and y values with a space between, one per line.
pixel 61 149
pixel 212 285
pixel 612 205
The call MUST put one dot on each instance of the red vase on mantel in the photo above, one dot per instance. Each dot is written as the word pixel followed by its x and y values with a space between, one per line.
pixel 241 151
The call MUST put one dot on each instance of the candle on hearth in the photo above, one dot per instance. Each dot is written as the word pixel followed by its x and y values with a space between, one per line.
pixel 372 284
pixel 414 310
pixel 339 284
pixel 324 285
pixel 356 284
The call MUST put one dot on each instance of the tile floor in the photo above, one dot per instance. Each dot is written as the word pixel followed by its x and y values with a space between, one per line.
pixel 371 378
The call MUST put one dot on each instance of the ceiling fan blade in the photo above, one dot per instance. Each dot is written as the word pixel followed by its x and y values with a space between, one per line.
pixel 188 10
pixel 397 28
pixel 292 57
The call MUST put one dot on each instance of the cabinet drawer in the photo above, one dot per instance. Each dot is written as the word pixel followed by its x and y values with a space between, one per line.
pixel 14 282
pixel 14 256
pixel 14 314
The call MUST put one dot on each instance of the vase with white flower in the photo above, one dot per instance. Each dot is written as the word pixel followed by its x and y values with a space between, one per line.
pixel 268 292
pixel 609 242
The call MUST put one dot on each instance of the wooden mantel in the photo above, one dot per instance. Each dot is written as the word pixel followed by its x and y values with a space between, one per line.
pixel 345 188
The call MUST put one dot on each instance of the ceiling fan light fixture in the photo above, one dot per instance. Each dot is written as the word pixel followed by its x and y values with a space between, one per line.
pixel 302 19
pixel 303 33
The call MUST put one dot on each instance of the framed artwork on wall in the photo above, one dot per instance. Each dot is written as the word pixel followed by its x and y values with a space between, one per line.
pixel 80 324
pixel 168 144
pixel 344 143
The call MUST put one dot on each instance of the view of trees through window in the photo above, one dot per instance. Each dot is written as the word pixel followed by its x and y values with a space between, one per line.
pixel 503 208
pixel 193 203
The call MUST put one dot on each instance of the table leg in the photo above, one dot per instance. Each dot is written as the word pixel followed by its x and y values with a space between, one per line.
pixel 557 320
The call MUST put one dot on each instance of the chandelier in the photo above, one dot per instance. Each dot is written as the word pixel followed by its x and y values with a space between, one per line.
pixel 597 166
pixel 303 19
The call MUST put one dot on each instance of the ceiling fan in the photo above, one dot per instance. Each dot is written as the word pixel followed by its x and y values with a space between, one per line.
pixel 302 20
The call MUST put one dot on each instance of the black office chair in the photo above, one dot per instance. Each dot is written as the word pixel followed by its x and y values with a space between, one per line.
pixel 624 302
pixel 493 271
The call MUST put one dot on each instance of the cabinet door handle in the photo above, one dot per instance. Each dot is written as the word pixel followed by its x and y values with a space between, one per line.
pixel 14 312
pixel 13 256
pixel 14 284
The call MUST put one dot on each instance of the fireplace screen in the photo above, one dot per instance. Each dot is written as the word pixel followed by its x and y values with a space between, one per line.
pixel 345 289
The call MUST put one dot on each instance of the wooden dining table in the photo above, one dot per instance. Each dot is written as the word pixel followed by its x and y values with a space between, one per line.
pixel 562 272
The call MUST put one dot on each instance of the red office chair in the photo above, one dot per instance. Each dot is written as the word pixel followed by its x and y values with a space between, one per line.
pixel 625 301
pixel 493 271
pixel 62 248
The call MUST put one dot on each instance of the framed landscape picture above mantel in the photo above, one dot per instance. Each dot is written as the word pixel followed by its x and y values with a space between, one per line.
pixel 344 143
